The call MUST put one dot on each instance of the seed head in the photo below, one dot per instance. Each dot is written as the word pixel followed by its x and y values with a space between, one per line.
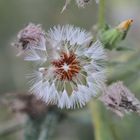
pixel 73 71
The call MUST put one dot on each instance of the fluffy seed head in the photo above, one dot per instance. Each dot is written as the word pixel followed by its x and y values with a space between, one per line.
pixel 73 71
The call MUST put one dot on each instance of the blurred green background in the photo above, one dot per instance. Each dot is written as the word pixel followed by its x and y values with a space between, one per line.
pixel 125 65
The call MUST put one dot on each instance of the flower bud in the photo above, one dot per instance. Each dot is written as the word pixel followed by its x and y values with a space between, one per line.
pixel 112 36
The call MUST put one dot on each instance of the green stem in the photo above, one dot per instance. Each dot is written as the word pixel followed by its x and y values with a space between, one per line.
pixel 43 127
pixel 95 107
pixel 102 129
pixel 33 128
pixel 100 122
pixel 48 126
pixel 101 14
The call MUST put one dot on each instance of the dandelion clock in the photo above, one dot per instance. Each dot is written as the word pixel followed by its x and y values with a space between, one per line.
pixel 70 71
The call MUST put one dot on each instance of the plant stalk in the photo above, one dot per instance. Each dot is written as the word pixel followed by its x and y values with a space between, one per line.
pixel 101 14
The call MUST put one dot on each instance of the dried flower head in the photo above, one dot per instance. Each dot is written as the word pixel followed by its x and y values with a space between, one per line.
pixel 80 3
pixel 73 71
pixel 31 37
pixel 120 100
pixel 25 103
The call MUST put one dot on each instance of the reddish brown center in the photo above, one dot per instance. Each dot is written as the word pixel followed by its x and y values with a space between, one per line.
pixel 67 66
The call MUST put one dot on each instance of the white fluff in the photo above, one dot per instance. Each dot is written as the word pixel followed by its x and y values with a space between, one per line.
pixel 85 85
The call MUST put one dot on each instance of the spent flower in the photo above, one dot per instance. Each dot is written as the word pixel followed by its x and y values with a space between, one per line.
pixel 120 100
pixel 31 37
pixel 74 68
pixel 28 104
pixel 80 3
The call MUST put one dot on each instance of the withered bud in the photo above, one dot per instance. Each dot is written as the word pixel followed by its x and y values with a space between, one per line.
pixel 29 104
pixel 31 37
pixel 119 99
pixel 82 3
